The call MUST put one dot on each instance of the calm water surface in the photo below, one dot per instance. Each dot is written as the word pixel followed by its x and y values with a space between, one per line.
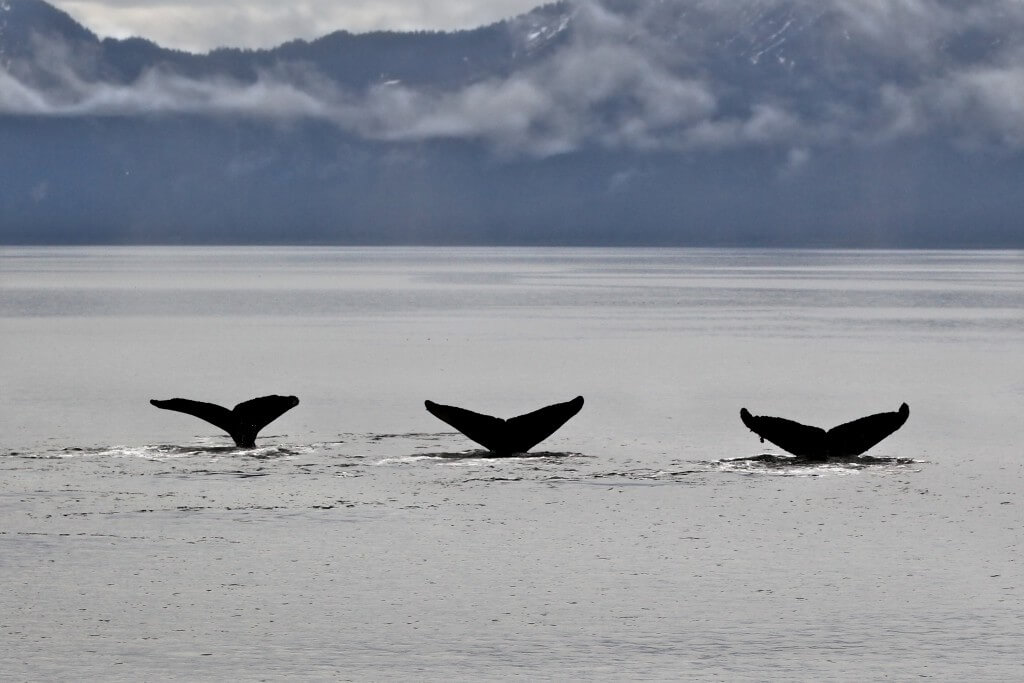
pixel 363 540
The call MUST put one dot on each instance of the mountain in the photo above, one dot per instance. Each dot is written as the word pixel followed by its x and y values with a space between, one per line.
pixel 680 122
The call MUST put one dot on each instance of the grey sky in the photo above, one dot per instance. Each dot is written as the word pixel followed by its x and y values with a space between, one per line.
pixel 199 25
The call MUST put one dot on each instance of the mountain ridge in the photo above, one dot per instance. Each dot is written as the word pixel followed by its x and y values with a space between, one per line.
pixel 39 18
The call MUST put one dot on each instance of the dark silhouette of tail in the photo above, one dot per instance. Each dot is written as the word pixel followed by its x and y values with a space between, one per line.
pixel 793 437
pixel 854 438
pixel 507 437
pixel 243 422
pixel 814 443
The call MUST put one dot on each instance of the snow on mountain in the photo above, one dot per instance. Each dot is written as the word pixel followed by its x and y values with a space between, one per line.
pixel 542 27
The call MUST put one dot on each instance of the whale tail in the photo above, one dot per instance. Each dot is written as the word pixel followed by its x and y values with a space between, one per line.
pixel 507 437
pixel 243 422
pixel 844 441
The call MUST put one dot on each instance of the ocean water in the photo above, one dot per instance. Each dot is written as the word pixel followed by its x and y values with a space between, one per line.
pixel 364 540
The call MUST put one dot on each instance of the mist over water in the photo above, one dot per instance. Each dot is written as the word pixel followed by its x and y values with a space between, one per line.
pixel 362 539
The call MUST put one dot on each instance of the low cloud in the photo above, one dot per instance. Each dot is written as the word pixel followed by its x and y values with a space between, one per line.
pixel 621 81
pixel 157 92
pixel 609 95
pixel 991 99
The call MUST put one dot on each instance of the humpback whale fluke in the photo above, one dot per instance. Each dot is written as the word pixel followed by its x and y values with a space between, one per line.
pixel 814 443
pixel 243 422
pixel 507 437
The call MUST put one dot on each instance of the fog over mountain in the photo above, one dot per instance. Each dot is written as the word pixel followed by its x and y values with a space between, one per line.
pixel 691 122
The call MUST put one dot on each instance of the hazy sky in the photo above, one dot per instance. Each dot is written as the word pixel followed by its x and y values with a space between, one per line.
pixel 199 25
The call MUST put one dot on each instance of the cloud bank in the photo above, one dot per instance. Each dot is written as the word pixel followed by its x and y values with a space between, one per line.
pixel 645 77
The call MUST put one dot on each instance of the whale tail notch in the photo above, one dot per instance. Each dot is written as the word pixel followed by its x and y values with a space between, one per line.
pixel 243 422
pixel 844 441
pixel 507 437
